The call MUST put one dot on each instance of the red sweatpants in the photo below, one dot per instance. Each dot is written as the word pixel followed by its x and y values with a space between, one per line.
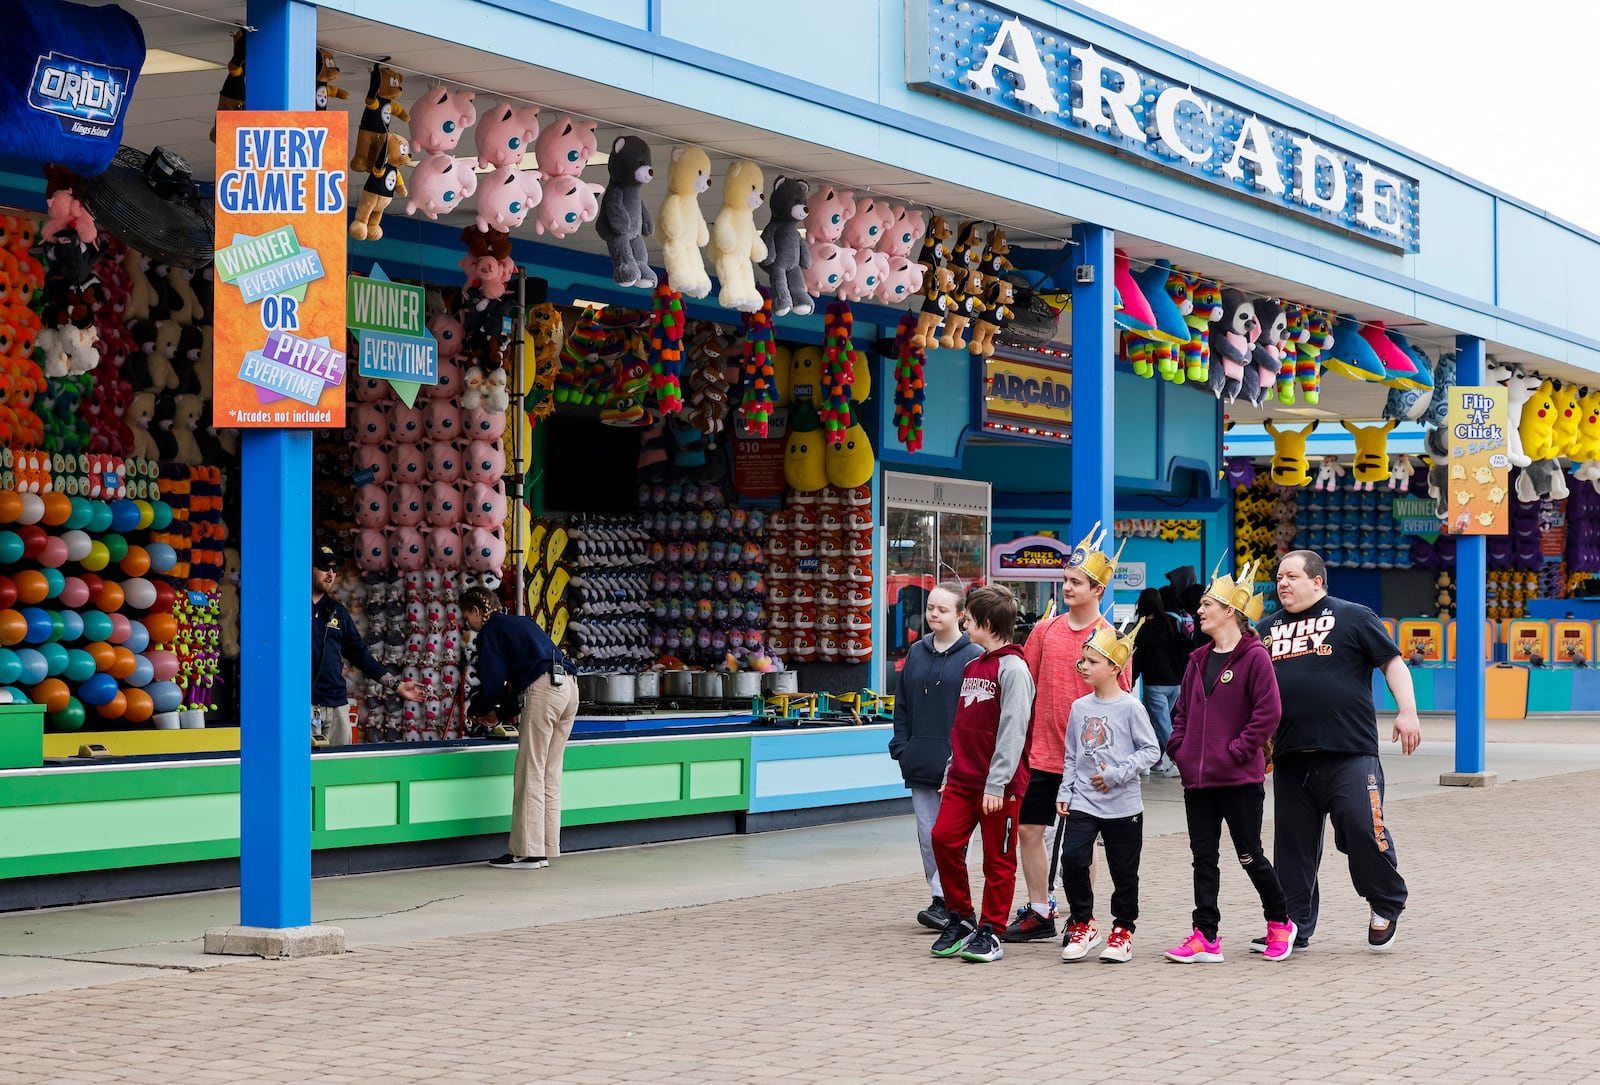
pixel 961 811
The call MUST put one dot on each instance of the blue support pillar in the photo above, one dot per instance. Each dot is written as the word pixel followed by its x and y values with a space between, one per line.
pixel 1093 400
pixel 1471 606
pixel 275 595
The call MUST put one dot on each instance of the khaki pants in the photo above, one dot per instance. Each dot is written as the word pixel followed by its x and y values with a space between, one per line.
pixel 335 723
pixel 548 713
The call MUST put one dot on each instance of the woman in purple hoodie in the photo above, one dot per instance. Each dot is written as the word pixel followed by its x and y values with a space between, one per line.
pixel 1226 713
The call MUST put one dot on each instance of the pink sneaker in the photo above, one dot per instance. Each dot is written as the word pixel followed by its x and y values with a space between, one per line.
pixel 1280 941
pixel 1196 949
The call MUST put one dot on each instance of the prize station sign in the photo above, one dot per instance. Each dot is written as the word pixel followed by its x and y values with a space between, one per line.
pixel 280 269
pixel 1032 557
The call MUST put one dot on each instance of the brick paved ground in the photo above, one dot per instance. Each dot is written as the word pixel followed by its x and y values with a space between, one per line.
pixel 1492 981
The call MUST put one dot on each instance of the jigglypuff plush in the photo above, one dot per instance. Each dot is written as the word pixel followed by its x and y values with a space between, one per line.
pixel 1371 463
pixel 735 245
pixel 232 94
pixel 1289 464
pixel 787 253
pixel 624 220
pixel 327 73
pixel 384 183
pixel 1233 340
pixel 683 227
pixel 381 107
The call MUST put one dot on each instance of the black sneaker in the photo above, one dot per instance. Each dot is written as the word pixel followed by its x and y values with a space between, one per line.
pixel 1381 932
pixel 983 946
pixel 1030 926
pixel 1259 945
pixel 935 917
pixel 955 937
pixel 525 862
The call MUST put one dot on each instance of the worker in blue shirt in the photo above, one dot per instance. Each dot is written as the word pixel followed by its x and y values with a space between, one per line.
pixel 335 639
pixel 517 661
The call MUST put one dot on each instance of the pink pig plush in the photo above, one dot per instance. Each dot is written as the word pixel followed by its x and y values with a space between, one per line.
pixel 486 551
pixel 867 226
pixel 486 462
pixel 827 211
pixel 444 548
pixel 439 185
pixel 407 549
pixel 871 269
pixel 443 505
pixel 481 425
pixel 447 331
pixel 405 505
pixel 490 273
pixel 903 233
pixel 445 462
pixel 440 118
pixel 405 423
pixel 568 203
pixel 372 506
pixel 371 424
pixel 831 269
pixel 564 148
pixel 372 550
pixel 449 385
pixel 441 420
pixel 405 463
pixel 505 134
pixel 903 280
pixel 505 197
pixel 485 505
pixel 372 458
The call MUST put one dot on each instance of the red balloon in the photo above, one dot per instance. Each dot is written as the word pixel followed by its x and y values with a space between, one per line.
pixel 110 597
pixel 54 552
pixel 94 584
pixel 8 588
pixel 114 708
pixel 139 706
pixel 165 597
pixel 33 539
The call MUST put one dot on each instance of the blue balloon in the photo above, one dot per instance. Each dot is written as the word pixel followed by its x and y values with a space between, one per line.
pixel 80 665
pixel 99 518
pixel 10 667
pixel 162 556
pixel 72 625
pixel 144 672
pixel 34 669
pixel 17 696
pixel 160 515
pixel 96 625
pixel 124 515
pixel 138 638
pixel 53 582
pixel 165 696
pixel 10 548
pixel 82 514
pixel 55 658
pixel 97 689
pixel 39 625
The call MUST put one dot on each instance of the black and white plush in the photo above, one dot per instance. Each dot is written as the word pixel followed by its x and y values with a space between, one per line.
pixel 624 222
pixel 1261 375
pixel 787 253
pixel 1233 340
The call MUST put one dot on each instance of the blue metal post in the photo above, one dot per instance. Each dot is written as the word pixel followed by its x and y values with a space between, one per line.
pixel 1093 399
pixel 275 596
pixel 1471 606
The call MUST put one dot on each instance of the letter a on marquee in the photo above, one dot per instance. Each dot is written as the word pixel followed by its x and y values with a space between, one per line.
pixel 1033 84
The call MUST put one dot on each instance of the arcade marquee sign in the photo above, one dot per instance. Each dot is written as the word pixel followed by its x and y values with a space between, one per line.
pixel 986 56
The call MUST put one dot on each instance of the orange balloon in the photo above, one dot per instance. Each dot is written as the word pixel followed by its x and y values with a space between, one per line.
pixel 57 508
pixel 114 708
pixel 13 627
pixel 163 628
pixel 122 661
pixel 139 705
pixel 136 562
pixel 104 655
pixel 111 597
pixel 31 586
pixel 10 506
pixel 52 693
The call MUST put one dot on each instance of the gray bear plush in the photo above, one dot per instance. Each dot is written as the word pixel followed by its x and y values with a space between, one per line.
pixel 787 253
pixel 1436 443
pixel 624 222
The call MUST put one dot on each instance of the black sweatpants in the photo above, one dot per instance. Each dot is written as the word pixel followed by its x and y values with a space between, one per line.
pixel 1124 838
pixel 1346 789
pixel 1206 808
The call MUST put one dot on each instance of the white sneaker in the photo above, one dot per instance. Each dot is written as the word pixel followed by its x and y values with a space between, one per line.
pixel 1081 939
pixel 1119 948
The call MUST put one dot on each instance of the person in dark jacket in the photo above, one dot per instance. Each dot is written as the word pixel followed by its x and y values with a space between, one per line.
pixel 1161 651
pixel 1226 714
pixel 335 640
pixel 924 708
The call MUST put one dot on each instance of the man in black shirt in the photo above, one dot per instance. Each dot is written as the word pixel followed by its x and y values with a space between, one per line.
pixel 1325 757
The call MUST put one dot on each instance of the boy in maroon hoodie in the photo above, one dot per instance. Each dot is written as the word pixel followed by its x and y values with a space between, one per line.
pixel 1226 714
pixel 985 779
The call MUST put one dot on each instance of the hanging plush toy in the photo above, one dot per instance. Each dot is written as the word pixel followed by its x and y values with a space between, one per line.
pixel 383 184
pixel 1261 376
pixel 1308 353
pixel 996 314
pixel 909 385
pixel 439 186
pixel 505 197
pixel 231 97
pixel 327 74
pixel 1328 475
pixel 838 373
pixel 440 118
pixel 1538 422
pixel 624 220
pixel 564 148
pixel 848 461
pixel 683 227
pixel 1290 468
pixel 939 299
pixel 904 231
pixel 1371 463
pixel 827 213
pixel 505 134
pixel 666 348
pixel 804 460
pixel 1565 431
pixel 1233 341
pixel 1207 310
pixel 735 245
pixel 380 108
pixel 758 384
pixel 787 253
pixel 1400 473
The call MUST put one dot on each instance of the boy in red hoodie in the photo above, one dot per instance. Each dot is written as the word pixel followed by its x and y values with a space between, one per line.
pixel 985 779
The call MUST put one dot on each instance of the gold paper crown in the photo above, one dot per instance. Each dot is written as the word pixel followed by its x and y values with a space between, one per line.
pixel 1114 646
pixel 1087 556
pixel 1238 594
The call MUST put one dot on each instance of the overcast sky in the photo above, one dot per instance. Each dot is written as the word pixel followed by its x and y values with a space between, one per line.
pixel 1498 92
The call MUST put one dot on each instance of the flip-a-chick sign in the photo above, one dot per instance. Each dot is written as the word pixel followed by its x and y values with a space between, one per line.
pixel 1480 470
pixel 280 269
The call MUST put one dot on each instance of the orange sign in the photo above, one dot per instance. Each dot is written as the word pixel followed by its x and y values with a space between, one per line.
pixel 280 269
pixel 1480 469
